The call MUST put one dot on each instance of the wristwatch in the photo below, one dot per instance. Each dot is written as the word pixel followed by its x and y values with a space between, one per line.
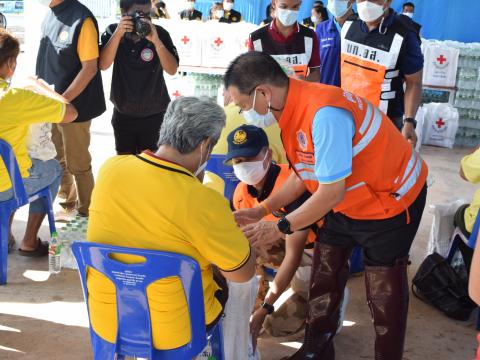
pixel 284 226
pixel 411 121
pixel 270 308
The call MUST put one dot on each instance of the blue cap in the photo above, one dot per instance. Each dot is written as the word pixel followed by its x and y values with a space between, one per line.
pixel 246 141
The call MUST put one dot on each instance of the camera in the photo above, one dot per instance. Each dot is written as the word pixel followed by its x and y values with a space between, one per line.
pixel 142 27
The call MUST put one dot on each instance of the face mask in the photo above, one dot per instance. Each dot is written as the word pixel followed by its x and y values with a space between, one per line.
pixel 338 7
pixel 219 13
pixel 250 173
pixel 44 2
pixel 410 15
pixel 369 12
pixel 254 118
pixel 201 166
pixel 314 19
pixel 227 6
pixel 287 17
pixel 189 5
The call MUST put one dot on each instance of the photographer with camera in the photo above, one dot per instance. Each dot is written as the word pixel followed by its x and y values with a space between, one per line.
pixel 139 52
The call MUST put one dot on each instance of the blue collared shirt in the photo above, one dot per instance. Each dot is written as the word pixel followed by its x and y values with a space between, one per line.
pixel 330 48
pixel 332 134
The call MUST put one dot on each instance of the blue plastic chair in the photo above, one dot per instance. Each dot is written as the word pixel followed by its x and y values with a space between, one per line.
pixel 216 166
pixel 20 198
pixel 471 242
pixel 134 334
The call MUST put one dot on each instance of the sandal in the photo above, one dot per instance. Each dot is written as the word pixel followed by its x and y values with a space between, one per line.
pixel 40 251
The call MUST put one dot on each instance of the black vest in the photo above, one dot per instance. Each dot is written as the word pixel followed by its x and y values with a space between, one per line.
pixel 391 43
pixel 297 52
pixel 58 62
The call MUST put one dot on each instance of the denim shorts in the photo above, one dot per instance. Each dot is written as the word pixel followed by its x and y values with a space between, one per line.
pixel 42 174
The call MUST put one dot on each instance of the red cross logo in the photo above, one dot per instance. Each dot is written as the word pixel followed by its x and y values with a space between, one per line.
pixel 185 40
pixel 440 123
pixel 176 93
pixel 441 59
pixel 218 42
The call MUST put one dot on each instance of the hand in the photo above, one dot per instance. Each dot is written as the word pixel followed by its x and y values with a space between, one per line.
pixel 256 323
pixel 263 234
pixel 153 36
pixel 124 26
pixel 245 217
pixel 409 133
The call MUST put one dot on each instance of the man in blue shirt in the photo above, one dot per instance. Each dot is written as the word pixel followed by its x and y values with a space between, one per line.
pixel 328 34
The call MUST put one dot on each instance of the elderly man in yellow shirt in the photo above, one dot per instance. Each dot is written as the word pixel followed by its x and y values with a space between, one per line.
pixel 157 201
pixel 20 108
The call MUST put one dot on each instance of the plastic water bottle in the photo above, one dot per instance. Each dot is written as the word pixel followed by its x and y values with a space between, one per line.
pixel 54 252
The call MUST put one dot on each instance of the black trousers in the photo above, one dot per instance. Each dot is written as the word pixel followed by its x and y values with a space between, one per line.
pixel 382 241
pixel 136 134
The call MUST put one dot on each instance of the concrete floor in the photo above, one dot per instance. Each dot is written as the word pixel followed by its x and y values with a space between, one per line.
pixel 44 317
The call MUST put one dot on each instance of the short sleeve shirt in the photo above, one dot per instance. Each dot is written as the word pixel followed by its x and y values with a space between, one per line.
pixel 138 85
pixel 18 110
pixel 87 47
pixel 332 133
pixel 149 203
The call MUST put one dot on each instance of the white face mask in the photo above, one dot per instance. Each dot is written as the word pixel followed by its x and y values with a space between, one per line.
pixel 227 6
pixel 369 12
pixel 287 17
pixel 254 118
pixel 189 5
pixel 338 8
pixel 201 166
pixel 219 13
pixel 314 19
pixel 409 14
pixel 252 172
pixel 44 2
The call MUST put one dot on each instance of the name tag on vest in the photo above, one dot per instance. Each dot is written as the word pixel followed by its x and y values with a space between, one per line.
pixel 388 59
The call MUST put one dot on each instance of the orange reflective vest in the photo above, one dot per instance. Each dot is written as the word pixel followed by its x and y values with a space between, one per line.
pixel 387 174
pixel 370 63
pixel 243 200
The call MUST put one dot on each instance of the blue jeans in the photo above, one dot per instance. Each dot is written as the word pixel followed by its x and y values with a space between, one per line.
pixel 42 174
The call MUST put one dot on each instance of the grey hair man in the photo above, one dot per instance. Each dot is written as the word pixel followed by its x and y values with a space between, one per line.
pixel 156 201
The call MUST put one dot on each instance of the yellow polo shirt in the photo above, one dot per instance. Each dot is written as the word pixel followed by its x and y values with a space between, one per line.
pixel 145 202
pixel 471 169
pixel 18 110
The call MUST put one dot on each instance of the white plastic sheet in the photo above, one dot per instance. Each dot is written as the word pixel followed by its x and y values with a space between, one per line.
pixel 236 323
pixel 442 226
